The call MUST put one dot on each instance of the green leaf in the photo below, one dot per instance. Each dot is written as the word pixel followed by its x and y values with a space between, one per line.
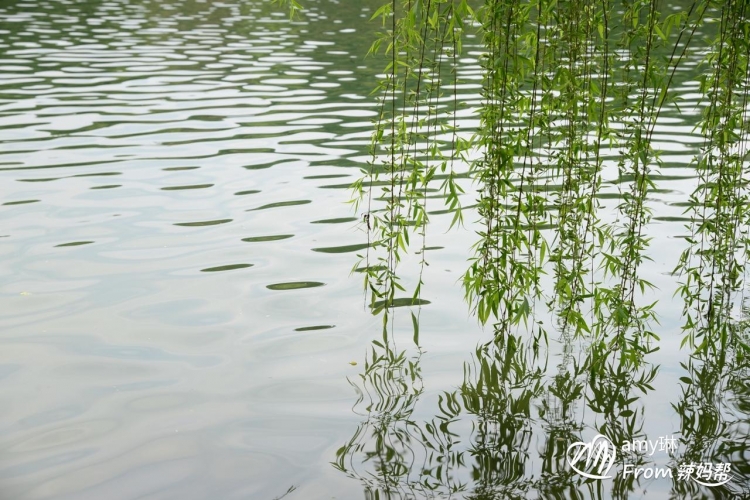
pixel 415 324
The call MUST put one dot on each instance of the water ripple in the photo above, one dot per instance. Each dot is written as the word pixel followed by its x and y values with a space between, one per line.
pixel 149 151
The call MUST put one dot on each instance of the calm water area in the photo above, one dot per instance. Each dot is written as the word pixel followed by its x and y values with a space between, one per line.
pixel 179 318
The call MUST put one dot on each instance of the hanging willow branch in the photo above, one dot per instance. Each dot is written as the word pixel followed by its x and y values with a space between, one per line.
pixel 409 149
pixel 714 265
pixel 571 89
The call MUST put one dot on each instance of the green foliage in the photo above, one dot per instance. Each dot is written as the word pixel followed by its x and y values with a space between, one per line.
pixel 564 84
pixel 570 89
pixel 409 145
pixel 293 6
pixel 712 268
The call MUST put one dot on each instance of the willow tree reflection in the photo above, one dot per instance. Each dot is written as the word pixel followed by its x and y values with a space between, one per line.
pixel 390 453
pixel 504 434
pixel 715 416
pixel 499 389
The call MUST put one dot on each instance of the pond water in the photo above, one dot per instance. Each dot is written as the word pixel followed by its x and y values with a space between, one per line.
pixel 179 314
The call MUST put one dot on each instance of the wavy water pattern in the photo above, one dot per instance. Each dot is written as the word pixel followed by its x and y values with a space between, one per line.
pixel 144 350
pixel 179 314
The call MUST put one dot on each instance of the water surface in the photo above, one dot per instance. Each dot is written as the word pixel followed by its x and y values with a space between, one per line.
pixel 179 316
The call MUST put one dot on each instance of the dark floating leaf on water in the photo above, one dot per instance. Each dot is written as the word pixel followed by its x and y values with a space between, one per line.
pixel 282 204
pixel 276 237
pixel 20 202
pixel 203 223
pixel 327 176
pixel 176 169
pixel 106 186
pixel 338 220
pixel 294 285
pixel 73 244
pixel 182 188
pixel 311 328
pixel 401 302
pixel 229 267
pixel 249 191
pixel 342 249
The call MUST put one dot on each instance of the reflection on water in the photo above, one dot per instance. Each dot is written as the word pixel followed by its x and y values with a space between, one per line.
pixel 179 319
pixel 715 415
pixel 516 427
pixel 506 431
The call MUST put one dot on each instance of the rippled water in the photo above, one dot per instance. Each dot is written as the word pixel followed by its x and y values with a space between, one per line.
pixel 179 319
pixel 174 322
